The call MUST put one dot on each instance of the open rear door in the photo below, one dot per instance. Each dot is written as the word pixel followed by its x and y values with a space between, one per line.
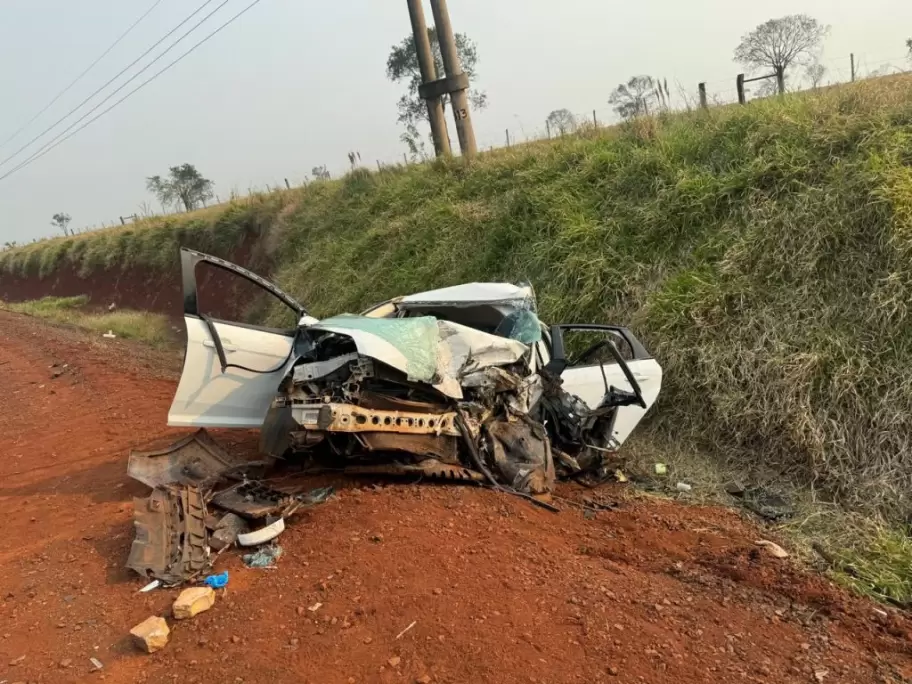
pixel 232 370
pixel 591 370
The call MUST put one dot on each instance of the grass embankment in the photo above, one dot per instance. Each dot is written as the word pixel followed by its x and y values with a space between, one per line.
pixel 762 252
pixel 135 325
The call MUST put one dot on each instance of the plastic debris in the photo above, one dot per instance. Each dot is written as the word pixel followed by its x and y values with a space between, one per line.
pixel 110 335
pixel 96 663
pixel 684 487
pixel 154 584
pixel 264 558
pixel 661 469
pixel 262 535
pixel 217 581
pixel 315 607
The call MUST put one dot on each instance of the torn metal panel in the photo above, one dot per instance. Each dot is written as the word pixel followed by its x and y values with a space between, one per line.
pixel 521 454
pixel 349 418
pixel 307 372
pixel 253 500
pixel 193 460
pixel 171 538
pixel 464 350
pixel 445 448
pixel 430 467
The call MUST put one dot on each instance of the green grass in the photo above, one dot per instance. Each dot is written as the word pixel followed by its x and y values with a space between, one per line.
pixel 763 253
pixel 136 325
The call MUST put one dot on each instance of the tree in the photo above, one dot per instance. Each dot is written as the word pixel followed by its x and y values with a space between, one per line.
pixel 320 173
pixel 402 65
pixel 562 121
pixel 61 221
pixel 815 73
pixel 632 99
pixel 779 43
pixel 184 186
pixel 909 45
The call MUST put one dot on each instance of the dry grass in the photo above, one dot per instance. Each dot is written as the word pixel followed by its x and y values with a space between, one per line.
pixel 147 327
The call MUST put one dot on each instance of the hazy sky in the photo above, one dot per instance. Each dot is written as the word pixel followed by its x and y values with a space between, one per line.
pixel 297 83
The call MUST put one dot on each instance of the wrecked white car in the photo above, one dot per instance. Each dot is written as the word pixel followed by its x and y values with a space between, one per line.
pixel 463 382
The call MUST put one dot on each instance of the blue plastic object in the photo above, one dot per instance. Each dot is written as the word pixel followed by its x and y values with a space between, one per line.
pixel 217 581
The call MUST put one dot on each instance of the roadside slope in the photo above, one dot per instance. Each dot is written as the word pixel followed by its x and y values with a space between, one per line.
pixel 762 252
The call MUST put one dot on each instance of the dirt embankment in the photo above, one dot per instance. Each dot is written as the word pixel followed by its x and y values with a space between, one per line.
pixel 643 592
pixel 144 288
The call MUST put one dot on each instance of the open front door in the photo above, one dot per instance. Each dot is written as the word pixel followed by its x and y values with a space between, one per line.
pixel 231 370
pixel 591 370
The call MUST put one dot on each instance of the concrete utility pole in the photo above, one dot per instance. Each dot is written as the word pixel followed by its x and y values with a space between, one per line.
pixel 852 56
pixel 429 76
pixel 704 103
pixel 457 81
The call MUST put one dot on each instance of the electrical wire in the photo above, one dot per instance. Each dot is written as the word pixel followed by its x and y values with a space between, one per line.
pixel 79 78
pixel 49 146
pixel 119 74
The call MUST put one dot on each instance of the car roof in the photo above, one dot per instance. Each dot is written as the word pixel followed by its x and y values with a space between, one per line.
pixel 474 293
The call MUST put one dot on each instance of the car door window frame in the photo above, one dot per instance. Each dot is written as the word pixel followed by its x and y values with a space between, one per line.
pixel 190 259
pixel 558 363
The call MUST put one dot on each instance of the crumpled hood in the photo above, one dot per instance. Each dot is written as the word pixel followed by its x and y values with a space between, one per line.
pixel 427 350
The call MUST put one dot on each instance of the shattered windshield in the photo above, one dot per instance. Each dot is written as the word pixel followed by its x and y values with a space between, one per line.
pixel 409 344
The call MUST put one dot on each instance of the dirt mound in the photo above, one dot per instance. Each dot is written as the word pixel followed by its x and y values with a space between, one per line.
pixel 642 590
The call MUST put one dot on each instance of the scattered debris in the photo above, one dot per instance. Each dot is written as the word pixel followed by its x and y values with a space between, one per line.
pixel 154 584
pixel 219 581
pixel 315 607
pixel 262 535
pixel 193 601
pixel 227 530
pixel 402 633
pixel 773 549
pixel 150 635
pixel 684 487
pixel 96 665
pixel 394 661
pixel 16 661
pixel 171 538
pixel 764 502
pixel 661 469
pixel 256 500
pixel 109 335
pixel 266 557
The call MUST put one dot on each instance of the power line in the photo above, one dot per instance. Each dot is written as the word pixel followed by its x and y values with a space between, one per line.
pixel 119 74
pixel 51 145
pixel 79 78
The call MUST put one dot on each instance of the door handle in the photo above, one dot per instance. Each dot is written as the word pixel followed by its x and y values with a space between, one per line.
pixel 226 346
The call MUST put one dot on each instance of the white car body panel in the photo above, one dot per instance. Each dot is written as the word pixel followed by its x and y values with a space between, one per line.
pixel 237 398
pixel 587 383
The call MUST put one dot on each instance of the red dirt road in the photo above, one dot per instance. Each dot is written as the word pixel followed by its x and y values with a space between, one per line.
pixel 499 591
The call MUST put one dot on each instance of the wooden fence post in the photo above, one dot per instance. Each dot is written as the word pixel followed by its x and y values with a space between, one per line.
pixel 704 103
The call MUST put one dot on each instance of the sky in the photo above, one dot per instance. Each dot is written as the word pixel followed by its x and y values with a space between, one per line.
pixel 295 84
